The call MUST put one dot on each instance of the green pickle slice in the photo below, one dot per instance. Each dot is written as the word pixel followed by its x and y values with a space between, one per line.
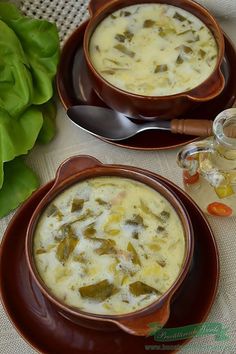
pixel 99 291
pixel 67 244
pixel 139 288
pixel 135 257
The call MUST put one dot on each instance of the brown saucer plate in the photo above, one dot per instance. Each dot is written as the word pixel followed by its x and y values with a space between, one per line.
pixel 48 332
pixel 74 88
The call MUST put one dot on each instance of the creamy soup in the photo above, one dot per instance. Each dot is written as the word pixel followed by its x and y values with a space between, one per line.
pixel 109 245
pixel 153 49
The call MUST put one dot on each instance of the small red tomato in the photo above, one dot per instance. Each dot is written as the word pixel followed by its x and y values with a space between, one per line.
pixel 188 179
pixel 219 209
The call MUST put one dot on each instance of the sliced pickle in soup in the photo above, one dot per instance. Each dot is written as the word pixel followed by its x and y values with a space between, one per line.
pixel 81 257
pixel 123 49
pixel 108 72
pixel 54 211
pixel 108 61
pixel 120 38
pixel 179 59
pixel 135 258
pixel 135 235
pixel 66 247
pixel 99 291
pixel 161 68
pixel 165 215
pixel 125 13
pixel 107 247
pixel 139 288
pixel 136 220
pixel 179 17
pixel 45 250
pixel 129 35
pixel 148 23
pixel 77 204
pixel 90 230
pixel 202 53
pixel 148 211
pixel 101 201
pixel 86 215
pixel 186 49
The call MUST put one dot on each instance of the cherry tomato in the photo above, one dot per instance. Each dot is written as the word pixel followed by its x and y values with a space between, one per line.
pixel 219 209
pixel 188 179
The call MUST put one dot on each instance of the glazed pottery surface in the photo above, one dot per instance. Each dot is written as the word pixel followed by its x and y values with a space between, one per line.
pixel 74 87
pixel 48 332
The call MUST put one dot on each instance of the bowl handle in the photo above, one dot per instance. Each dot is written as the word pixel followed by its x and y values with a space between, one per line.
pixel 74 165
pixel 141 326
pixel 213 89
pixel 95 5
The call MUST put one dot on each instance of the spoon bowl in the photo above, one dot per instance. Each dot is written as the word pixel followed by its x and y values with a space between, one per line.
pixel 106 123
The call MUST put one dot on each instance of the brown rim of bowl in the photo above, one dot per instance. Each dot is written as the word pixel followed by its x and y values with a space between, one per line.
pixel 186 94
pixel 105 170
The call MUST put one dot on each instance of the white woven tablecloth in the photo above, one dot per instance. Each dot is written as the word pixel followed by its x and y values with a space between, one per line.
pixel 70 141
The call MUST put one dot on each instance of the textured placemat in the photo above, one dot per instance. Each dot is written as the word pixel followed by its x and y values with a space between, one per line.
pixel 66 14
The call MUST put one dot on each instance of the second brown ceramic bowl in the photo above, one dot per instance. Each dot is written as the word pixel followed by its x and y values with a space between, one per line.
pixel 135 323
pixel 152 107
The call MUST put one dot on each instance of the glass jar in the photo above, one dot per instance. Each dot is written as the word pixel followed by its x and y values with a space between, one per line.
pixel 209 167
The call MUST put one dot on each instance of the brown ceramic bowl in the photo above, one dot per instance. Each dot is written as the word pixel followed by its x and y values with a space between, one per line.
pixel 151 107
pixel 135 323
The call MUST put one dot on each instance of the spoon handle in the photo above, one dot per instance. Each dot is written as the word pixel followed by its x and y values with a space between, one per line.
pixel 196 127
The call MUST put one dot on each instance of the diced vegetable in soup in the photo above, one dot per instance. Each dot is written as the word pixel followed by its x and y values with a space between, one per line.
pixel 109 245
pixel 153 49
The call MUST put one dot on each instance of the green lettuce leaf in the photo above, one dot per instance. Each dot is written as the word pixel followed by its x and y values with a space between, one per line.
pixel 40 42
pixel 8 10
pixel 17 137
pixel 48 130
pixel 19 183
pixel 16 86
pixel 29 54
